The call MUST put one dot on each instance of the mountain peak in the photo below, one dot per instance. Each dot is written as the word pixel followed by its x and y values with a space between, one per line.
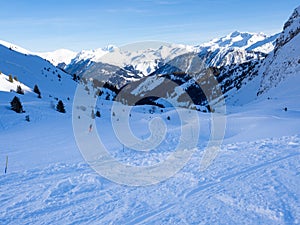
pixel 245 41
pixel 290 29
pixel 109 48
pixel 235 34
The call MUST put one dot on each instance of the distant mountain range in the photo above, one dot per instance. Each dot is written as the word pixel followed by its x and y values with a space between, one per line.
pixel 234 48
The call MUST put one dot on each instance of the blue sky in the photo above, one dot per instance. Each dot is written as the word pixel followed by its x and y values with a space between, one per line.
pixel 46 25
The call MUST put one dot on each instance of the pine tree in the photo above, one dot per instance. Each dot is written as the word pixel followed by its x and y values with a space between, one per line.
pixel 16 105
pixel 98 114
pixel 20 90
pixel 10 79
pixel 37 91
pixel 60 107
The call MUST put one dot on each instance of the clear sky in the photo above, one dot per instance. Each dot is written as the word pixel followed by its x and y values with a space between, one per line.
pixel 46 25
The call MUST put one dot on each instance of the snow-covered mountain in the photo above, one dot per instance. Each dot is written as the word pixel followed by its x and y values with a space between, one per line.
pixel 121 66
pixel 134 64
pixel 236 48
pixel 242 40
pixel 240 72
pixel 60 56
pixel 284 62
pixel 137 57
pixel 93 55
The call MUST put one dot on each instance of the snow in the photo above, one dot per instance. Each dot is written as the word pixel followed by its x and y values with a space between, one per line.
pixel 144 57
pixel 7 86
pixel 254 178
pixel 32 70
pixel 149 84
pixel 291 28
pixel 284 62
pixel 58 56
pixel 242 40
pixel 14 47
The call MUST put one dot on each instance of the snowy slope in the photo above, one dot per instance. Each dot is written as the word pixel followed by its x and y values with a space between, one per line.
pixel 254 179
pixel 284 62
pixel 14 47
pixel 31 70
pixel 7 86
pixel 58 56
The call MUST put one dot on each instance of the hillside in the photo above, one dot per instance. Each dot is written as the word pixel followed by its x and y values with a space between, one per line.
pixel 31 70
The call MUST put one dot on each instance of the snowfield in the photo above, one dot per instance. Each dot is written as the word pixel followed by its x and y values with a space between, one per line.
pixel 254 179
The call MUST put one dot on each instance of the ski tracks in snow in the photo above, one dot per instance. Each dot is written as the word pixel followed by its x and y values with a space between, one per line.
pixel 246 177
pixel 201 194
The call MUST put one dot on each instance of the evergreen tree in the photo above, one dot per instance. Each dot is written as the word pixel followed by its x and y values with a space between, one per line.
pixel 20 90
pixel 37 91
pixel 98 114
pixel 60 107
pixel 10 79
pixel 16 105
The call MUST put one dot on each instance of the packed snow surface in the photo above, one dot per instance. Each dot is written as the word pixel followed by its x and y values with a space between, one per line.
pixel 254 179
